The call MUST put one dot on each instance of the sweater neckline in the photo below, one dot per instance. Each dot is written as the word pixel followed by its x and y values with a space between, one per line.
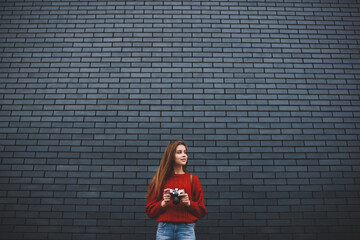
pixel 179 174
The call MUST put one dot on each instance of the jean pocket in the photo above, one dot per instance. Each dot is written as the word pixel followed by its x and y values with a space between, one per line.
pixel 161 227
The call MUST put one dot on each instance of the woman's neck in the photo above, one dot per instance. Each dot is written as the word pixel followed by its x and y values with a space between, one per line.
pixel 178 170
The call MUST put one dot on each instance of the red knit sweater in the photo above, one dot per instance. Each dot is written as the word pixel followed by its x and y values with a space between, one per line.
pixel 178 213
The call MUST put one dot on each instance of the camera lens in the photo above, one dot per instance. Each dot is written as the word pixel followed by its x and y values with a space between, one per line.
pixel 176 200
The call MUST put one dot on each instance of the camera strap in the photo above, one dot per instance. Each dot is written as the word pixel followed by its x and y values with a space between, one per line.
pixel 191 183
pixel 191 192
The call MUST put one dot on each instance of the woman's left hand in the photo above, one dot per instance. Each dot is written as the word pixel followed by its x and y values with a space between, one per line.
pixel 185 199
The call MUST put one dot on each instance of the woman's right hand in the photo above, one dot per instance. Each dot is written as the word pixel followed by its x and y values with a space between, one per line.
pixel 166 197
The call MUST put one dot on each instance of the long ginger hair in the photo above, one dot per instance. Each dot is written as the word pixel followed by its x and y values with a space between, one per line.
pixel 165 170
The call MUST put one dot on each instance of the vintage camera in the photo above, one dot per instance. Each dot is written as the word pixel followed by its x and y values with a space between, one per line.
pixel 175 195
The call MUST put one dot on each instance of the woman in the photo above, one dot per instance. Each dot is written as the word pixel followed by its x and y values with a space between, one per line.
pixel 175 220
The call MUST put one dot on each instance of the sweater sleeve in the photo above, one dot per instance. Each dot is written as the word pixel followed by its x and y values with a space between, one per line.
pixel 197 206
pixel 153 207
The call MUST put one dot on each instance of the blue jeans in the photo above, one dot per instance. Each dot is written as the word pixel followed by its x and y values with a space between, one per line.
pixel 175 231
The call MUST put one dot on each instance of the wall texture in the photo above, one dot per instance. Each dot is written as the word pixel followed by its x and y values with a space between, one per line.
pixel 266 94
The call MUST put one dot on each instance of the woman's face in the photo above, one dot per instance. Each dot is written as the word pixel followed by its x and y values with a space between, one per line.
pixel 181 156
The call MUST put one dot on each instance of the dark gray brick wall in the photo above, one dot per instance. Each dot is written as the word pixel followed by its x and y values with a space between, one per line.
pixel 266 94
